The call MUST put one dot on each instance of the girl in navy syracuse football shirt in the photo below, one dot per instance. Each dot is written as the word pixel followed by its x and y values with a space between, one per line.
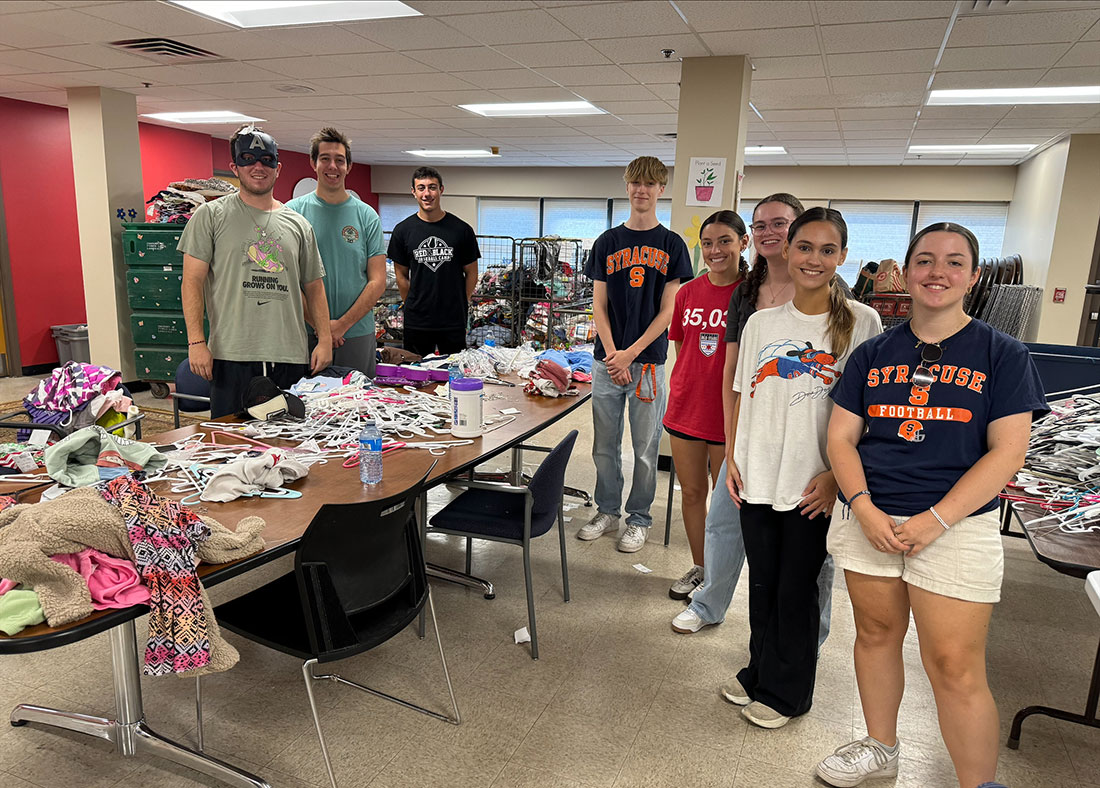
pixel 932 419
pixel 694 418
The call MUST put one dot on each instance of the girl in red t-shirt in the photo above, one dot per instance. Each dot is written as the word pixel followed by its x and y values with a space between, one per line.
pixel 693 418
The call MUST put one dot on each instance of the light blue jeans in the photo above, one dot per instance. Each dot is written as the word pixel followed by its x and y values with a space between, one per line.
pixel 610 402
pixel 724 558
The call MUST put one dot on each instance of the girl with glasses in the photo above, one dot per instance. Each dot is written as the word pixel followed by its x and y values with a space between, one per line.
pixel 694 419
pixel 789 358
pixel 932 419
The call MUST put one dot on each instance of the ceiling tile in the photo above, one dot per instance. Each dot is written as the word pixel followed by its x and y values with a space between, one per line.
pixel 900 124
pixel 1072 76
pixel 10 86
pixel 1007 28
pixel 787 67
pixel 408 34
pixel 647 49
pixel 879 84
pixel 947 136
pixel 903 61
pixel 986 161
pixel 1046 123
pixel 1051 111
pixel 586 75
pixel 24 61
pixel 249 90
pixel 55 98
pixel 205 73
pixel 318 39
pixel 637 18
pixel 310 103
pixel 879 113
pixel 809 135
pixel 575 53
pixel 884 36
pixel 1001 57
pixel 413 101
pixel 880 135
pixel 782 127
pixel 596 93
pixel 974 124
pixel 1093 33
pixel 79 79
pixel 464 58
pixel 993 113
pixel 395 83
pixel 97 56
pixel 771 93
pixel 449 7
pixel 533 94
pixel 958 80
pixel 508 78
pixel 654 73
pixel 745 15
pixel 75 26
pixel 669 91
pixel 360 64
pixel 634 107
pixel 161 19
pixel 512 27
pixel 245 45
pixel 761 43
pixel 799 115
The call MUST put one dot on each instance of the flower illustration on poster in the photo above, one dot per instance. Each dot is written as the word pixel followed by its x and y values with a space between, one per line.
pixel 691 237
pixel 706 177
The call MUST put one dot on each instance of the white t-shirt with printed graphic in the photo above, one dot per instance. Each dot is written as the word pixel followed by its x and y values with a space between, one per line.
pixel 784 375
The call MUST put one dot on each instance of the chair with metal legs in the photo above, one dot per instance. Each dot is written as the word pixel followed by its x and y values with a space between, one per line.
pixel 358 580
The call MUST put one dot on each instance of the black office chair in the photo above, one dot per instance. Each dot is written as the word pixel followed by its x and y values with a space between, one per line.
pixel 358 580
pixel 192 393
pixel 497 512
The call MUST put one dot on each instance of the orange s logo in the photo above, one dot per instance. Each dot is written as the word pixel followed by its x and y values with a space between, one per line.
pixel 637 276
pixel 912 430
pixel 918 396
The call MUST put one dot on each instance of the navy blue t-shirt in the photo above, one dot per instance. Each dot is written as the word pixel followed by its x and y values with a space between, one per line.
pixel 636 264
pixel 918 445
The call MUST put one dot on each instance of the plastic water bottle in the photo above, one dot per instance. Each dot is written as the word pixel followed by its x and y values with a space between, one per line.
pixel 370 454
pixel 454 372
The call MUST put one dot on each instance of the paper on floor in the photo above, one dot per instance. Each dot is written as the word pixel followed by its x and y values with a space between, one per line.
pixel 522 636
pixel 645 570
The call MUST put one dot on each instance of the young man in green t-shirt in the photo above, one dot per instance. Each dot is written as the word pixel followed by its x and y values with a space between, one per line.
pixel 349 235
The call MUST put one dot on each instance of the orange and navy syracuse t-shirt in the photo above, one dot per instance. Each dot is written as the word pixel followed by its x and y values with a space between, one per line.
pixel 920 441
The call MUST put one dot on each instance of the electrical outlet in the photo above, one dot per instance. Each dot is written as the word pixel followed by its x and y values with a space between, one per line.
pixel 1094 315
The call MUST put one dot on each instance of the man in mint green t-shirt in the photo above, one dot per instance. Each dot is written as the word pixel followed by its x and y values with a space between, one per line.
pixel 349 235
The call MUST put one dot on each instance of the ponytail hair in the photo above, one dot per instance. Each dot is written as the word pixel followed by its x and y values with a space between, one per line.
pixel 733 221
pixel 842 318
pixel 759 272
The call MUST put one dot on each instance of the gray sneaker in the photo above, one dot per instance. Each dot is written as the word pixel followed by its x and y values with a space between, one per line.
pixel 857 761
pixel 763 715
pixel 735 693
pixel 687 584
pixel 633 539
pixel 598 526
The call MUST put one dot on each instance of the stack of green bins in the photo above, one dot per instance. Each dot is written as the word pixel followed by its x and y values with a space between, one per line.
pixel 154 276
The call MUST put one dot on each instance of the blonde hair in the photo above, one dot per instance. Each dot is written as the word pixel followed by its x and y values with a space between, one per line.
pixel 646 168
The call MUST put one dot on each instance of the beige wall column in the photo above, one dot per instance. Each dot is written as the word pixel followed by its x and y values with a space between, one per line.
pixel 107 170
pixel 711 124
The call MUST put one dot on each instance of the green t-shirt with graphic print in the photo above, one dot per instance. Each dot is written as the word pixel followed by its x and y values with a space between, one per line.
pixel 258 263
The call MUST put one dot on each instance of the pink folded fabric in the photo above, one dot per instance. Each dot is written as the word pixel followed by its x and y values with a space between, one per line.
pixel 112 582
pixel 6 585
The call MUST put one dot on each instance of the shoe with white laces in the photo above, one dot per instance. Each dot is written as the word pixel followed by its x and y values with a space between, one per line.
pixel 735 693
pixel 763 715
pixel 633 539
pixel 598 526
pixel 688 622
pixel 687 584
pixel 850 765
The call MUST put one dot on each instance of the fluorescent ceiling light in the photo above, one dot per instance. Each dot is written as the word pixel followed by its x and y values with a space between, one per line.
pixel 772 150
pixel 532 109
pixel 1081 94
pixel 278 13
pixel 214 116
pixel 455 154
pixel 996 150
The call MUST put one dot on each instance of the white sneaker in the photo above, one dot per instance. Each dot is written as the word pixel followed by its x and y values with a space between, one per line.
pixel 735 693
pixel 687 584
pixel 763 715
pixel 857 761
pixel 688 621
pixel 633 539
pixel 598 526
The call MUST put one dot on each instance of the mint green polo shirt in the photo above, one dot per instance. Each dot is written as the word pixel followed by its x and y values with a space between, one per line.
pixel 348 235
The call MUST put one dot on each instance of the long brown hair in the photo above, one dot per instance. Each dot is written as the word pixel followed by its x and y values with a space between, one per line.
pixel 735 223
pixel 842 318
pixel 759 272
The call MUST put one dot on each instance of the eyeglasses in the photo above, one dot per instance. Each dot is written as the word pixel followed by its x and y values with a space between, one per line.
pixel 779 225
pixel 922 375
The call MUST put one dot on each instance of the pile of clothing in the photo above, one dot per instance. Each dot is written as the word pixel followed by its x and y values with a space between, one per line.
pixel 175 203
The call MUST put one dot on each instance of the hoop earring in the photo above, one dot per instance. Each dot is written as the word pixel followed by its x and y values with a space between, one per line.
pixel 970 290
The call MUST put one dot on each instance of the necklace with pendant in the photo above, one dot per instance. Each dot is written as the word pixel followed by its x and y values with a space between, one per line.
pixel 261 230
pixel 776 295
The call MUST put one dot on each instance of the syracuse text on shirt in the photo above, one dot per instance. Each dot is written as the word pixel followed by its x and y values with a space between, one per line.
pixel 946 373
pixel 635 259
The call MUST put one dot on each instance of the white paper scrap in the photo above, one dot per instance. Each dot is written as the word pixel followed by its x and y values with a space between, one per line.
pixel 509 411
pixel 522 636
pixel 25 462
pixel 566 519
pixel 39 437
pixel 645 570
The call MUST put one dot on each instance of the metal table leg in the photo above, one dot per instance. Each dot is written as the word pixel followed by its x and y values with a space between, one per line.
pixel 1088 719
pixel 129 733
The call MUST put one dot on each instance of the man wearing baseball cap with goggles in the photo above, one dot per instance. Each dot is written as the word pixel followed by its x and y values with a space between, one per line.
pixel 248 260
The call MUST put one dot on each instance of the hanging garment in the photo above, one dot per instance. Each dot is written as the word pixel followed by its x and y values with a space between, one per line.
pixel 70 386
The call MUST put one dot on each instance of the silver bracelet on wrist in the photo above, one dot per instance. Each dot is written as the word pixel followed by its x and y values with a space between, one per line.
pixel 939 519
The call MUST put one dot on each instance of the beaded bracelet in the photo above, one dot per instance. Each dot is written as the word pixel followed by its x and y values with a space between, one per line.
pixel 939 519
pixel 861 492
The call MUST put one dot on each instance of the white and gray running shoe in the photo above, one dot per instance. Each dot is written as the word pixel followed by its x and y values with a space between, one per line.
pixel 857 761
pixel 686 584
pixel 598 526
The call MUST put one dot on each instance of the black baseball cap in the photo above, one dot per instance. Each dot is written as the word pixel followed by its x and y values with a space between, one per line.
pixel 264 400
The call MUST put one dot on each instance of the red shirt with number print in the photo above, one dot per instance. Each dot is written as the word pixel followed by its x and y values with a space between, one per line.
pixel 695 386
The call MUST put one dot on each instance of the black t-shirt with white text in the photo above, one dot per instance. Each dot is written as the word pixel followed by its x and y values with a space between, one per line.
pixel 435 254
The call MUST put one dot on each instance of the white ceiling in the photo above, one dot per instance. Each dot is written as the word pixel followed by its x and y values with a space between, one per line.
pixel 836 81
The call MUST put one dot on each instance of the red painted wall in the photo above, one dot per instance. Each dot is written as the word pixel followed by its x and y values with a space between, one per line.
pixel 36 171
pixel 169 154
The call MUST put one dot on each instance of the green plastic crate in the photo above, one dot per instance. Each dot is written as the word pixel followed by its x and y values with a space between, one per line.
pixel 160 328
pixel 149 289
pixel 151 245
pixel 158 363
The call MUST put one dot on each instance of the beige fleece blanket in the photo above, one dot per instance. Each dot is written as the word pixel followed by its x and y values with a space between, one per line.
pixel 31 533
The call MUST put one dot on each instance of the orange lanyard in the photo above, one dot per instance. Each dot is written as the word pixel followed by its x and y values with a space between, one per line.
pixel 652 370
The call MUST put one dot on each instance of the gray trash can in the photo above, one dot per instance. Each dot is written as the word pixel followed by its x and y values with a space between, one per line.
pixel 72 343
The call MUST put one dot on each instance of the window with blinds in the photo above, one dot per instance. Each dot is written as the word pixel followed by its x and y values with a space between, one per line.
pixel 876 231
pixel 620 212
pixel 985 219
pixel 392 208
pixel 517 218
pixel 574 218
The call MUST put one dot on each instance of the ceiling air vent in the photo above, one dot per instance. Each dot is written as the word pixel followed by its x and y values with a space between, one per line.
pixel 165 50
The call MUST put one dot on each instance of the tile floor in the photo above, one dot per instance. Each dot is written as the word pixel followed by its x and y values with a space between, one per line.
pixel 617 698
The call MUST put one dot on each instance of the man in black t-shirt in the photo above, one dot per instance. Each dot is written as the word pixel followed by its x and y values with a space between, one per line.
pixel 435 258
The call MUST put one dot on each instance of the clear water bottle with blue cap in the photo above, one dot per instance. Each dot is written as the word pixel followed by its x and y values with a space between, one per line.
pixel 370 453
pixel 454 372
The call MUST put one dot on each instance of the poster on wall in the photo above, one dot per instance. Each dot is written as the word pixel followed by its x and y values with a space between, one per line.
pixel 705 180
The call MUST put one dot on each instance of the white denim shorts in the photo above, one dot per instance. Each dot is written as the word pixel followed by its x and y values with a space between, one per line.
pixel 965 562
